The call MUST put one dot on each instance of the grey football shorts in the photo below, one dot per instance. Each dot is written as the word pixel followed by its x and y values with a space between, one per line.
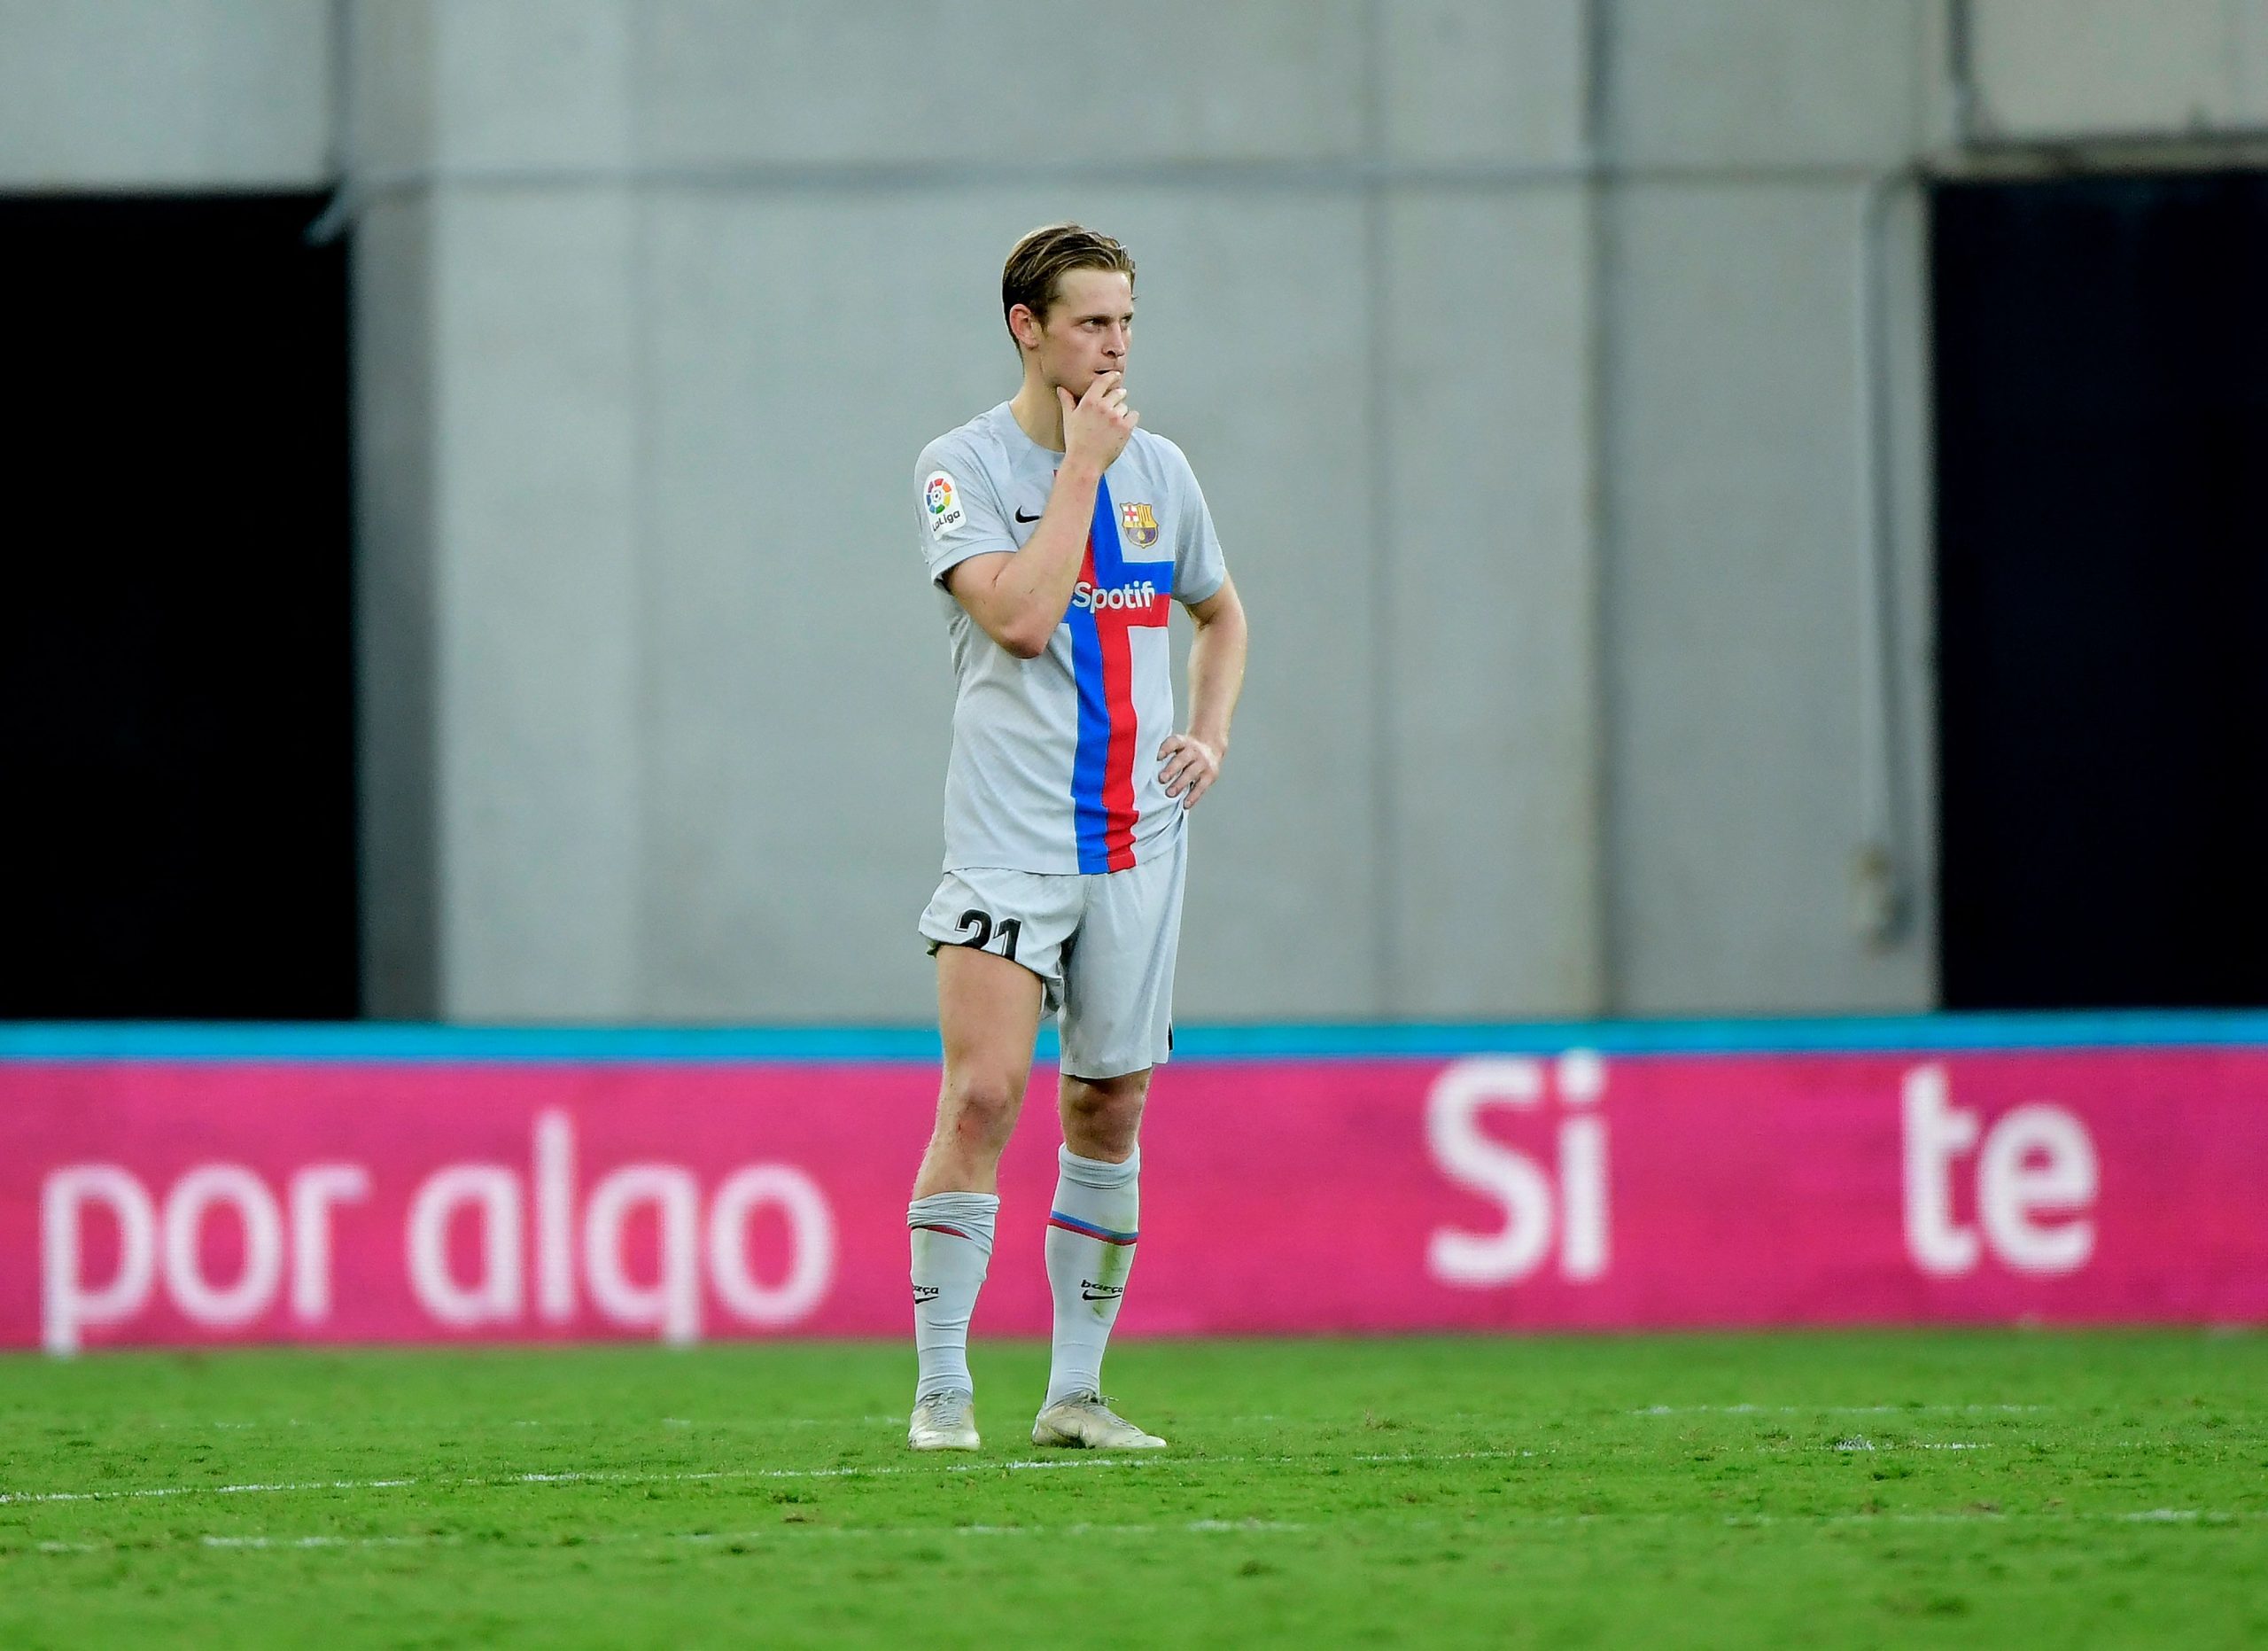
pixel 1103 945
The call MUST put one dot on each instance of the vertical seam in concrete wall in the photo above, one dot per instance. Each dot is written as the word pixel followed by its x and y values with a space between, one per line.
pixel 644 912
pixel 434 383
pixel 1592 137
pixel 1607 953
pixel 646 714
pixel 2232 53
pixel 1961 72
pixel 338 61
pixel 1921 107
pixel 443 572
pixel 1387 881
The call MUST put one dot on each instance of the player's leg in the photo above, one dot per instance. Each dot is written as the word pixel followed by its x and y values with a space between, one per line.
pixel 988 1009
pixel 1092 1225
pixel 990 995
pixel 988 1016
pixel 1117 1024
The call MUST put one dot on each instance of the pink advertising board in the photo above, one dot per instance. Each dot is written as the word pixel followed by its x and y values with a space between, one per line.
pixel 172 1202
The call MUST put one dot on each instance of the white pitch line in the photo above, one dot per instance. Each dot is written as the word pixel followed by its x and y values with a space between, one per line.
pixel 777 1533
pixel 2155 1515
pixel 1196 1527
pixel 1834 1410
pixel 167 1422
pixel 590 1476
pixel 602 1476
pixel 1043 1464
pixel 795 1533
pixel 324 1542
pixel 203 1490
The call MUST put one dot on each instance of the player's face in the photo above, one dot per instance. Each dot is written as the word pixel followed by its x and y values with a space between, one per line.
pixel 1088 329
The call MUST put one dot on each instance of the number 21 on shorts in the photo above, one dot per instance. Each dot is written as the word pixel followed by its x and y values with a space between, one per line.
pixel 977 928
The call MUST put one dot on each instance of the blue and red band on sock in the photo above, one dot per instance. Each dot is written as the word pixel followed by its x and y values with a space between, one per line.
pixel 1087 1229
pixel 1092 1223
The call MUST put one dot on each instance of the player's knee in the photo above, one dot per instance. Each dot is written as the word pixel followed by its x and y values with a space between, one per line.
pixel 1126 1088
pixel 1103 1107
pixel 1106 1114
pixel 983 1105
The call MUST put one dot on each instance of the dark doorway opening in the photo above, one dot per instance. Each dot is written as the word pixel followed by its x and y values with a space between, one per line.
pixel 2101 372
pixel 176 673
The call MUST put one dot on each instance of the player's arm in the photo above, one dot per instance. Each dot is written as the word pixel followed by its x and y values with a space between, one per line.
pixel 1192 761
pixel 1020 598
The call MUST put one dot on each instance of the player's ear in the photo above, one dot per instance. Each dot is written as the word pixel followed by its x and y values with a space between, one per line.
pixel 1023 326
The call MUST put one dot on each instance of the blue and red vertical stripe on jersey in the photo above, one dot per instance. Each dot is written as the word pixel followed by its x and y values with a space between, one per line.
pixel 1102 664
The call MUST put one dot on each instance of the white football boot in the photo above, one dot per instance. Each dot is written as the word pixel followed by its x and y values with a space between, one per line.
pixel 1087 1419
pixel 944 1421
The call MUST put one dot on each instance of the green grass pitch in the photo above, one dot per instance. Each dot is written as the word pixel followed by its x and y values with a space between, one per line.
pixel 1866 1489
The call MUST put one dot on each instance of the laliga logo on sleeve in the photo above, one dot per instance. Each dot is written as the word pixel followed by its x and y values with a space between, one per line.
pixel 1533 1199
pixel 943 501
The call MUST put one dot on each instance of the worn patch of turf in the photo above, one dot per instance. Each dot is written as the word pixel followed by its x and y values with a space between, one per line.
pixel 1859 1489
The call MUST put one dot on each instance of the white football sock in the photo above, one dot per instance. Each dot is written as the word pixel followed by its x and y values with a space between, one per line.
pixel 952 1236
pixel 1090 1233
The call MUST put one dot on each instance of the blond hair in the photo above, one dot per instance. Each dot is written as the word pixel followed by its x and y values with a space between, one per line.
pixel 1038 263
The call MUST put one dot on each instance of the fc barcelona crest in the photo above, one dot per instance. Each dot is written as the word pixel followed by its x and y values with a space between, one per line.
pixel 1141 527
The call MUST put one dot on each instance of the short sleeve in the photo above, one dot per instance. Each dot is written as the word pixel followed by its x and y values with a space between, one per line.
pixel 955 512
pixel 1198 568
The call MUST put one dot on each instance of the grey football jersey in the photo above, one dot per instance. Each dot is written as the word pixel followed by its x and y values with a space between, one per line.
pixel 1054 762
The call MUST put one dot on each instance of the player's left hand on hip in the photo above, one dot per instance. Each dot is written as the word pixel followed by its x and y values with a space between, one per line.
pixel 1189 767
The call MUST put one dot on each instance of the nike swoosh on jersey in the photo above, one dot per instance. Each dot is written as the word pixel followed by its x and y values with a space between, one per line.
pixel 1022 517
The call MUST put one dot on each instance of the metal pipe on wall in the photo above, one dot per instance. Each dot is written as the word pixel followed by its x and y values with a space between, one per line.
pixel 1882 865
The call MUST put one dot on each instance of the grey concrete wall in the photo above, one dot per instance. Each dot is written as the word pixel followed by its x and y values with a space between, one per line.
pixel 165 94
pixel 1518 343
pixel 500 427
pixel 2090 67
pixel 1490 767
pixel 1488 773
pixel 1740 723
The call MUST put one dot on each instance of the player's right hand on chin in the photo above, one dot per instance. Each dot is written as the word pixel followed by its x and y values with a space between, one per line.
pixel 1097 425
